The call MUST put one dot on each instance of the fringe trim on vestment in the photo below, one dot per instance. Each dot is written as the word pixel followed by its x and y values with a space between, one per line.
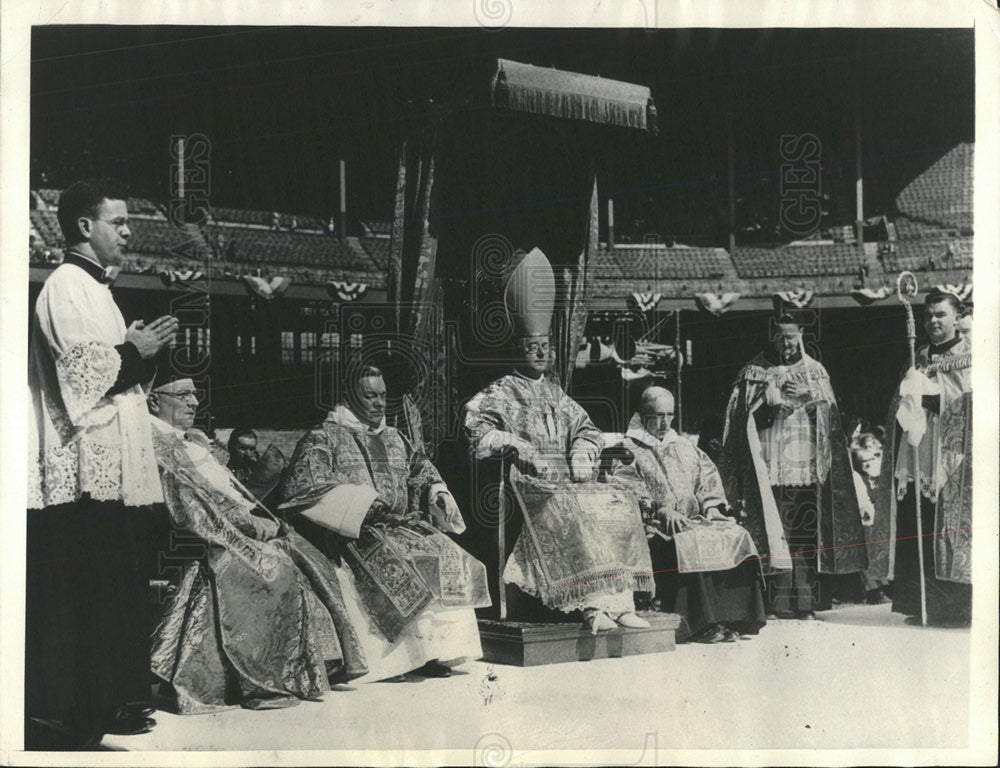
pixel 595 583
pixel 956 363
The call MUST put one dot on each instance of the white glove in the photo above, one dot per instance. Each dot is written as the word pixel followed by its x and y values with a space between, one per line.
pixel 445 513
pixel 911 415
pixel 581 467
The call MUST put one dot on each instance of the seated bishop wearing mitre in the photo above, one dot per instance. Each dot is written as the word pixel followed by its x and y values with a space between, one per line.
pixel 582 546
pixel 377 507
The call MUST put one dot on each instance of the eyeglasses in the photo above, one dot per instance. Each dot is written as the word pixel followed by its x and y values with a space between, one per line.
pixel 534 347
pixel 190 395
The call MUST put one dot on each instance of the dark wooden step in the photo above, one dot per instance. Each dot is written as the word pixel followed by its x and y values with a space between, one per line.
pixel 530 644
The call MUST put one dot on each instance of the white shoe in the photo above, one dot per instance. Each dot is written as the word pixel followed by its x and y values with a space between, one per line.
pixel 598 621
pixel 632 621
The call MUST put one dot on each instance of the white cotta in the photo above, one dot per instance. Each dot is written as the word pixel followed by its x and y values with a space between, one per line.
pixel 81 441
pixel 920 446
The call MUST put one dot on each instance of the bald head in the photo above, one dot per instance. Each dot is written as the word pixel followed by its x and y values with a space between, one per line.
pixel 656 409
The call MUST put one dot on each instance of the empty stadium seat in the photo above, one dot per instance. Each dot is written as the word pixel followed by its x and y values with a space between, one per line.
pixel 804 260
pixel 662 263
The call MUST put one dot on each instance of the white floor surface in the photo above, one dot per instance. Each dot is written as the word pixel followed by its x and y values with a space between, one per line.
pixel 857 678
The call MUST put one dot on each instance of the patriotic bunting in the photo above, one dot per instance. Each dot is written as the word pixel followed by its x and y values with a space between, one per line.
pixel 866 296
pixel 715 304
pixel 183 276
pixel 338 289
pixel 266 289
pixel 962 292
pixel 645 302
pixel 798 299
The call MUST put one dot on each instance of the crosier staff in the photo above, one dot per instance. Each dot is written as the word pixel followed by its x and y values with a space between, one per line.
pixel 906 285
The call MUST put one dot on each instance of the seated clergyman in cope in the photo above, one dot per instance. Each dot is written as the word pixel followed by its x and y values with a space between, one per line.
pixel 582 546
pixel 706 566
pixel 377 507
pixel 258 620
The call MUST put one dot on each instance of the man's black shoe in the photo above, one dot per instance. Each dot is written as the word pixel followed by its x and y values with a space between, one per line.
pixel 433 669
pixel 125 724
pixel 137 709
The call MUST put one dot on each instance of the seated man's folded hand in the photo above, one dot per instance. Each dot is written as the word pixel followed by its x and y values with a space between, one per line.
pixel 674 520
pixel 654 527
pixel 581 467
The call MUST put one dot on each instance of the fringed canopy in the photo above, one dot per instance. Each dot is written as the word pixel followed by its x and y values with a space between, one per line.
pixel 542 91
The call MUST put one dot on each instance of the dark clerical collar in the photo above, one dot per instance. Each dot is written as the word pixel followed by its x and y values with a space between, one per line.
pixel 940 349
pixel 774 357
pixel 100 274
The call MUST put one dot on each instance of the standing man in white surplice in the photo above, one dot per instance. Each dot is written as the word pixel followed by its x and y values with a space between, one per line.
pixel 91 476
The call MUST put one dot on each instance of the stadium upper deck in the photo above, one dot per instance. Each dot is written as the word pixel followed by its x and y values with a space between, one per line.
pixel 930 231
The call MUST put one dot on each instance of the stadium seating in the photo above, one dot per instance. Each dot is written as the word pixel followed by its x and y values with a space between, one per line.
pixel 661 263
pixel 930 234
pixel 908 228
pixel 49 196
pixel 263 218
pixel 378 249
pixel 160 237
pixel 241 216
pixel 918 255
pixel 940 197
pixel 142 205
pixel 834 259
pixel 280 248
pixel 377 227
pixel 47 225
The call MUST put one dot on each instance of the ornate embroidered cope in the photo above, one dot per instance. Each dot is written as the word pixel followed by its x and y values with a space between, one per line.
pixel 583 544
pixel 260 619
pixel 336 473
pixel 811 449
pixel 539 416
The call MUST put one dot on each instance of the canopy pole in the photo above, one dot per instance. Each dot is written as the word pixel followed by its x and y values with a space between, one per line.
pixel 343 200
pixel 732 184
pixel 502 537
pixel 680 372
pixel 859 194
pixel 910 289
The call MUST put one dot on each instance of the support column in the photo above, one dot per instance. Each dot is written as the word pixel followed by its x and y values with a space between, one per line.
pixel 732 186
pixel 859 211
pixel 343 201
